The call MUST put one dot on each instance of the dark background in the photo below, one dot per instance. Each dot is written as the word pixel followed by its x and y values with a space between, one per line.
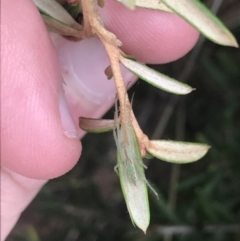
pixel 198 201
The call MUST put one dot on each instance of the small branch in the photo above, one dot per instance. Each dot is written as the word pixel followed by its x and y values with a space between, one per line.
pixel 114 55
pixel 94 25
pixel 57 27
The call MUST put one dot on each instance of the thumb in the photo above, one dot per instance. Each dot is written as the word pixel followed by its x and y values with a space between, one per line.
pixel 39 138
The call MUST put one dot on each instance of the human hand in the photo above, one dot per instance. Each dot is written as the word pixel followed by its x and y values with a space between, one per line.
pixel 39 139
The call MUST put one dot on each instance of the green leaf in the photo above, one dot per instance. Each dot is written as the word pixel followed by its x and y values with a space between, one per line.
pixel 95 125
pixel 131 172
pixel 132 178
pixel 150 4
pixel 203 20
pixel 177 152
pixel 73 10
pixel 54 10
pixel 136 198
pixel 55 26
pixel 57 19
pixel 128 3
pixel 155 78
pixel 153 4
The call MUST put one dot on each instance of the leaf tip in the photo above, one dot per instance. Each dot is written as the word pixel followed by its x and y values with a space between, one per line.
pixel 231 41
pixel 235 44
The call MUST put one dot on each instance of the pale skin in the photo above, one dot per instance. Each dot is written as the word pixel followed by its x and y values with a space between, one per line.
pixel 31 126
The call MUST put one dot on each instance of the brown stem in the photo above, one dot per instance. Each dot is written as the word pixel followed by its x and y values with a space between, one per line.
pixel 90 10
pixel 93 25
pixel 114 55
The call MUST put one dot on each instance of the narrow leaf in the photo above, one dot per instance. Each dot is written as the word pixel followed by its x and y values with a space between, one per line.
pixel 131 172
pixel 198 15
pixel 177 152
pixel 54 10
pixel 55 26
pixel 95 125
pixel 152 4
pixel 155 78
pixel 128 3
pixel 73 10
pixel 136 198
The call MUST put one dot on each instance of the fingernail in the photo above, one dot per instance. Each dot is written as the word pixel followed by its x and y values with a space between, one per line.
pixel 69 127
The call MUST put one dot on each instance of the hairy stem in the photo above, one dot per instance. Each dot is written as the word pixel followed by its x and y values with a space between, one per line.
pixel 93 25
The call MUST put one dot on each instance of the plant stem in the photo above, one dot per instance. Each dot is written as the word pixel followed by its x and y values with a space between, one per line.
pixel 93 25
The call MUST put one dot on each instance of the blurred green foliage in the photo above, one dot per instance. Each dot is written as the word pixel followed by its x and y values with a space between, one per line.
pixel 87 203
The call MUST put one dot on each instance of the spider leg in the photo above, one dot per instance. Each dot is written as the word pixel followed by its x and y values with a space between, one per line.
pixel 152 189
pixel 145 167
pixel 116 169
